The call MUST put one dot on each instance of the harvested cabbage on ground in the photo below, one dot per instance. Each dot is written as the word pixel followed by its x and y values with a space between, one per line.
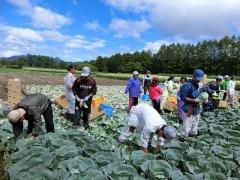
pixel 95 154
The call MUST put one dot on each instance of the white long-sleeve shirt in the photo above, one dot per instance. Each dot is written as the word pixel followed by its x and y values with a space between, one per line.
pixel 68 81
pixel 231 87
pixel 147 119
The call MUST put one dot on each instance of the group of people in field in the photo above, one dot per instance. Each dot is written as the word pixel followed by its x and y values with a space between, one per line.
pixel 146 117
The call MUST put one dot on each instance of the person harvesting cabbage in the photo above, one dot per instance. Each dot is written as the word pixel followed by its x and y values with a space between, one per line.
pixel 214 98
pixel 31 108
pixel 189 93
pixel 145 118
pixel 180 103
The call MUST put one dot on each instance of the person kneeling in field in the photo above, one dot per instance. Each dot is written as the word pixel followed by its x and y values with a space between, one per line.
pixel 147 119
pixel 31 108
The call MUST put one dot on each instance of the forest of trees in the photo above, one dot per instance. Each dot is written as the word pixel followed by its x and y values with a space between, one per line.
pixel 213 56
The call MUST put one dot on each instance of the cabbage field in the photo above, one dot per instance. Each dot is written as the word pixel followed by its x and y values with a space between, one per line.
pixel 95 154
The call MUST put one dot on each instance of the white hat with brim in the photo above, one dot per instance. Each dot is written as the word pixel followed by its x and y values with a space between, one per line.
pixel 135 73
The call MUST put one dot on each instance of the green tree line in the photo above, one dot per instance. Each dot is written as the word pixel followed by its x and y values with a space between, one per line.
pixel 213 56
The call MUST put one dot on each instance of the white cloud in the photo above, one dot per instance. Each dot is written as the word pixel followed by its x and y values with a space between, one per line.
pixel 94 26
pixel 125 28
pixel 54 35
pixel 48 19
pixel 41 17
pixel 21 34
pixel 155 45
pixel 9 53
pixel 186 18
pixel 23 4
pixel 81 42
pixel 16 40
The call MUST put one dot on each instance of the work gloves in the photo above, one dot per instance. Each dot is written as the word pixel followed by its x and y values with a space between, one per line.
pixel 86 98
pixel 82 102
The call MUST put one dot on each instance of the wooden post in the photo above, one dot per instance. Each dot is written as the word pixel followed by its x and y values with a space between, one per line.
pixel 14 92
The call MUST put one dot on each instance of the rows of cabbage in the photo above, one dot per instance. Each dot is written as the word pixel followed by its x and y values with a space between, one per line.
pixel 95 154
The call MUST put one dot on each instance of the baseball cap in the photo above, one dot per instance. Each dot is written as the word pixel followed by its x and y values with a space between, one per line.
pixel 135 73
pixel 220 77
pixel 86 71
pixel 170 133
pixel 199 74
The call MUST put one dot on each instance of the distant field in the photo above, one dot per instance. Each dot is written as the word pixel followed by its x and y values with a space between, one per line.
pixel 62 72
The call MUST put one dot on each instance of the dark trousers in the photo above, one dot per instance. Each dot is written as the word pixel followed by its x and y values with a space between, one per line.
pixel 145 89
pixel 224 96
pixel 48 117
pixel 156 105
pixel 85 112
pixel 133 101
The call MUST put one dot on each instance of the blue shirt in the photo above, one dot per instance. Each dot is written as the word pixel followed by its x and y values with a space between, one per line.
pixel 133 87
pixel 190 89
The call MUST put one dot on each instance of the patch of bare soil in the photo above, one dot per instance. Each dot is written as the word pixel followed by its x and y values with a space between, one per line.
pixel 47 79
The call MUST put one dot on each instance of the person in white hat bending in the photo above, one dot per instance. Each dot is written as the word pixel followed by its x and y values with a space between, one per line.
pixel 147 119
pixel 31 108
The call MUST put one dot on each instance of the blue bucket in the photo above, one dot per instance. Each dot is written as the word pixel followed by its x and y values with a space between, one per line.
pixel 145 97
pixel 107 109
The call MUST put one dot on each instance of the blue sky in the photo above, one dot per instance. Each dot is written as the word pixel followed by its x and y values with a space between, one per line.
pixel 77 30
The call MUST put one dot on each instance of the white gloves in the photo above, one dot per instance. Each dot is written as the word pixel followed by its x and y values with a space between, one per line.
pixel 82 102
pixel 86 98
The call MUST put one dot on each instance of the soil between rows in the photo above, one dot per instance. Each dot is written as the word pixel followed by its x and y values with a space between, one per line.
pixel 48 79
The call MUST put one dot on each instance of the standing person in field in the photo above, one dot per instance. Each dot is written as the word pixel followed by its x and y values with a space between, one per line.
pixel 134 90
pixel 224 86
pixel 155 92
pixel 189 93
pixel 84 88
pixel 31 108
pixel 231 90
pixel 170 85
pixel 68 82
pixel 146 81
pixel 145 118
pixel 180 103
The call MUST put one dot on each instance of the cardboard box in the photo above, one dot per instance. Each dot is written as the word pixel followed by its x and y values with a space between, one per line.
pixel 61 101
pixel 95 110
pixel 14 92
pixel 223 105
pixel 170 106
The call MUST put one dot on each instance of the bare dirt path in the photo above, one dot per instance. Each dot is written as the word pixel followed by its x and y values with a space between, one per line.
pixel 48 79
